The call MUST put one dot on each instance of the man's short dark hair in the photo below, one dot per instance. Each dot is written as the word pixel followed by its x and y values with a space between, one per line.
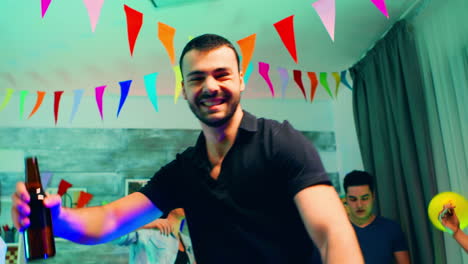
pixel 207 42
pixel 357 178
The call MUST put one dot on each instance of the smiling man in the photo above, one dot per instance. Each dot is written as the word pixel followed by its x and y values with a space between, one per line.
pixel 382 240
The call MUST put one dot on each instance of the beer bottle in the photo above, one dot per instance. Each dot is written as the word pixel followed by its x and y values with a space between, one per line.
pixel 38 237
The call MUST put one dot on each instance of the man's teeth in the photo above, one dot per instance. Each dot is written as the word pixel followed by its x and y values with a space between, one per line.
pixel 211 103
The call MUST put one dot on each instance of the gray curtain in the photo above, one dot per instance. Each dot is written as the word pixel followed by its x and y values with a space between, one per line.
pixel 392 128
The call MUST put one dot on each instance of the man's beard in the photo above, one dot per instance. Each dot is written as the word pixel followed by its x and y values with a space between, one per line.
pixel 219 122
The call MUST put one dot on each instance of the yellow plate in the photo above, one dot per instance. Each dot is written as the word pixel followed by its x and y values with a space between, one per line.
pixel 437 204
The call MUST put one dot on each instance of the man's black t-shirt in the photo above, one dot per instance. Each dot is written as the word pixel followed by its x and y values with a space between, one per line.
pixel 248 214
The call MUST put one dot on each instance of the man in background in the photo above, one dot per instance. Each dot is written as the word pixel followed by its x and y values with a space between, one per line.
pixel 382 240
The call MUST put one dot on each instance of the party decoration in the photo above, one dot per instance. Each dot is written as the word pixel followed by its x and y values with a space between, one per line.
pixel 78 94
pixel 380 4
pixel 298 79
pixel 45 178
pixel 44 6
pixel 7 98
pixel 248 73
pixel 283 73
pixel 326 11
pixel 178 82
pixel 83 199
pixel 166 36
pixel 313 84
pixel 247 46
pixel 285 29
pixel 436 205
pixel 57 97
pixel 263 69
pixel 344 81
pixel 134 22
pixel 94 11
pixel 40 98
pixel 99 91
pixel 324 83
pixel 63 187
pixel 124 89
pixel 337 81
pixel 150 84
pixel 23 95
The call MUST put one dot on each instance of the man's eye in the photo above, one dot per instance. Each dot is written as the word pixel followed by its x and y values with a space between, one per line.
pixel 365 198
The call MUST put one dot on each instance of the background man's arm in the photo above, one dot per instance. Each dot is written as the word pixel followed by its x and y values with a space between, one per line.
pixel 402 257
pixel 328 225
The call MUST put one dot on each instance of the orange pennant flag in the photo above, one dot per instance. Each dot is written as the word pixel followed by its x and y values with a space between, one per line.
pixel 166 36
pixel 313 84
pixel 40 98
pixel 247 46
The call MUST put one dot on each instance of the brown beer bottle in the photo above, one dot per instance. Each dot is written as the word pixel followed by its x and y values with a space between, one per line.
pixel 38 237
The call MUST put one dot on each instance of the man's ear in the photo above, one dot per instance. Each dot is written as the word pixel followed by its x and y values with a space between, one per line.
pixel 183 89
pixel 242 85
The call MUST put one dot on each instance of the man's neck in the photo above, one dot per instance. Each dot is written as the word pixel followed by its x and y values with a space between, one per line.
pixel 362 223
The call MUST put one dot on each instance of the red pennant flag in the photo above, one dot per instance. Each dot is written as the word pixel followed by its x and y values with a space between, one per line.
pixel 298 80
pixel 285 29
pixel 63 187
pixel 313 84
pixel 134 22
pixel 57 96
pixel 83 199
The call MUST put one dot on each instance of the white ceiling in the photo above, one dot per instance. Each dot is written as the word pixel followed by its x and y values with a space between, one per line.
pixel 61 52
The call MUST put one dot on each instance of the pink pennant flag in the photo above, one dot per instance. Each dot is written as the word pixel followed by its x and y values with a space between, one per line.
pixel 285 29
pixel 263 69
pixel 134 23
pixel 298 79
pixel 44 6
pixel 326 11
pixel 94 10
pixel 99 91
pixel 380 4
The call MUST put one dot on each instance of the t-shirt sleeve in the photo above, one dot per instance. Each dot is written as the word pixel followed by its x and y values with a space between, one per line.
pixel 298 159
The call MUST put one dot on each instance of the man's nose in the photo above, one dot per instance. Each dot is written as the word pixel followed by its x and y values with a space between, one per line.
pixel 210 85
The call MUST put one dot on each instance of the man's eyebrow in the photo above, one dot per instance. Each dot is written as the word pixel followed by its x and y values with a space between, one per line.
pixel 365 196
pixel 195 73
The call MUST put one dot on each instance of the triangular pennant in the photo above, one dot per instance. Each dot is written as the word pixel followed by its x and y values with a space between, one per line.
pixel 44 6
pixel 263 69
pixel 337 81
pixel 23 95
pixel 150 84
pixel 6 100
pixel 124 89
pixel 134 22
pixel 40 98
pixel 285 29
pixel 57 97
pixel 298 79
pixel 78 94
pixel 344 81
pixel 178 82
pixel 248 73
pixel 63 187
pixel 247 47
pixel 45 178
pixel 99 91
pixel 283 73
pixel 324 83
pixel 313 84
pixel 326 11
pixel 94 11
pixel 380 4
pixel 83 199
pixel 166 36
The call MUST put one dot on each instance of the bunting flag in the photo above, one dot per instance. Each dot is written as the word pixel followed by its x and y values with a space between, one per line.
pixel 45 178
pixel 150 84
pixel 284 76
pixel 23 95
pixel 78 94
pixel 380 4
pixel 166 36
pixel 337 82
pixel 57 97
pixel 324 83
pixel 178 82
pixel 44 6
pixel 6 100
pixel 94 11
pixel 247 47
pixel 326 11
pixel 313 84
pixel 40 98
pixel 134 22
pixel 285 29
pixel 124 89
pixel 263 69
pixel 63 187
pixel 83 199
pixel 99 91
pixel 298 79
pixel 344 81
pixel 248 73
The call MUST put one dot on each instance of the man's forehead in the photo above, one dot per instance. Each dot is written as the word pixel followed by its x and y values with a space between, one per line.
pixel 194 55
pixel 359 189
